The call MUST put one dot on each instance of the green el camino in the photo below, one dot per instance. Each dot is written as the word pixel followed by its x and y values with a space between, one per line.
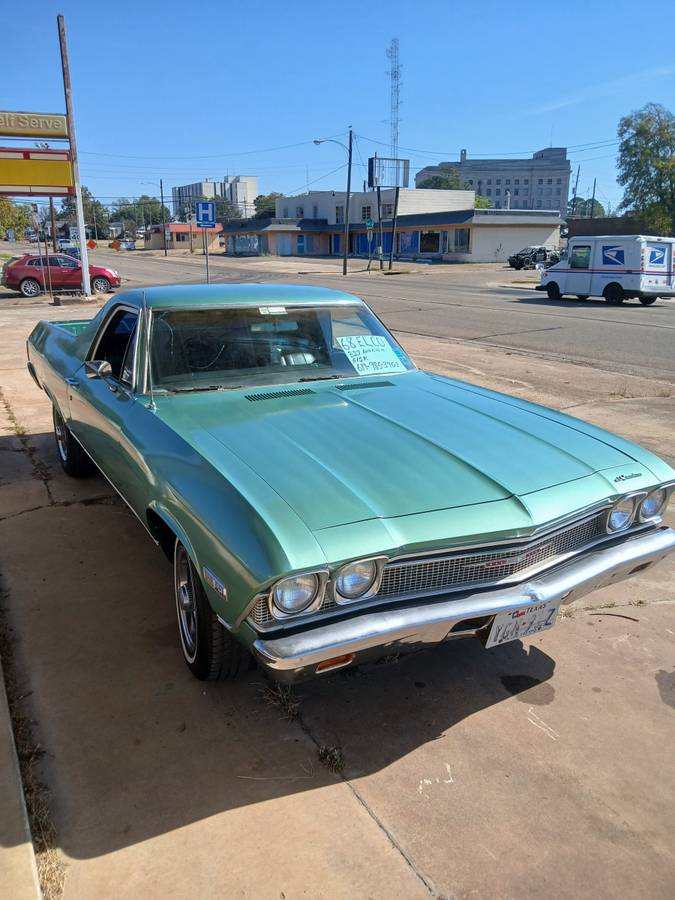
pixel 323 501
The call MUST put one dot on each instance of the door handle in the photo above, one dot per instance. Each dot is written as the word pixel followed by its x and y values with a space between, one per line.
pixel 73 382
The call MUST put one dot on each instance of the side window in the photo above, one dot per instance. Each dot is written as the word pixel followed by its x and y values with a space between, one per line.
pixel 67 262
pixel 54 262
pixel 117 342
pixel 580 256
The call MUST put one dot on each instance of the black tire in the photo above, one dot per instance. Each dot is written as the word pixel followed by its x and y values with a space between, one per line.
pixel 614 294
pixel 582 296
pixel 517 265
pixel 30 287
pixel 210 652
pixel 100 285
pixel 553 291
pixel 74 460
pixel 647 301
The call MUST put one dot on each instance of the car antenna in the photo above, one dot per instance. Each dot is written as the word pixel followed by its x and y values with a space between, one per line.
pixel 152 405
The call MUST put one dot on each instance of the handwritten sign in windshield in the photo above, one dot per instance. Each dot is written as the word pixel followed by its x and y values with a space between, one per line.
pixel 371 354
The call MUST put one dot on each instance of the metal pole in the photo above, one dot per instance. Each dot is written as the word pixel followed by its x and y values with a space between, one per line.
pixel 345 250
pixel 393 229
pixel 206 252
pixel 161 195
pixel 52 216
pixel 379 227
pixel 574 195
pixel 70 118
pixel 593 199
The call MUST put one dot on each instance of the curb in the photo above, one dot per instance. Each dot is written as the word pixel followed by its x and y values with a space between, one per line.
pixel 18 869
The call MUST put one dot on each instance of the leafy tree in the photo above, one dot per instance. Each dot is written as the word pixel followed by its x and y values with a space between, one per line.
pixel 646 166
pixel 226 210
pixel 96 216
pixel 582 208
pixel 265 205
pixel 138 214
pixel 482 202
pixel 15 216
pixel 446 180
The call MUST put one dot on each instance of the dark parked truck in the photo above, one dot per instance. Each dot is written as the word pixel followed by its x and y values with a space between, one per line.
pixel 528 257
pixel 322 500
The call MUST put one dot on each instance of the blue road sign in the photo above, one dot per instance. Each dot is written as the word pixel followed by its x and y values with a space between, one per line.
pixel 206 214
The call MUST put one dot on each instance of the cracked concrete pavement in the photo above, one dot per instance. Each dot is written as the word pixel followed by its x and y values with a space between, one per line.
pixel 529 768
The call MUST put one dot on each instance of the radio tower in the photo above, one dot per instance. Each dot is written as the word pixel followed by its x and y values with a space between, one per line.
pixel 395 80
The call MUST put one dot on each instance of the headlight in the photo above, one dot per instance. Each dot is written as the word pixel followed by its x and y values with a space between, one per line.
pixel 621 514
pixel 653 504
pixel 295 594
pixel 356 579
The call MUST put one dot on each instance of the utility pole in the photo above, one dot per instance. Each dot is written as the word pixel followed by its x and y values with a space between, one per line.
pixel 161 200
pixel 345 250
pixel 393 228
pixel 379 227
pixel 70 118
pixel 593 199
pixel 574 194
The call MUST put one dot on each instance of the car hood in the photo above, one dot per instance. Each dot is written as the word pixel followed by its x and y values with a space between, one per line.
pixel 349 452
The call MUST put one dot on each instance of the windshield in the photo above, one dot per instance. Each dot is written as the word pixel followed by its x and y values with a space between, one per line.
pixel 208 349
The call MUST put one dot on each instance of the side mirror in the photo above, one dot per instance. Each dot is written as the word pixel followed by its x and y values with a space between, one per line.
pixel 98 368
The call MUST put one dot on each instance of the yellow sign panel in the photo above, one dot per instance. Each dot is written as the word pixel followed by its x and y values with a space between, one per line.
pixel 35 172
pixel 27 124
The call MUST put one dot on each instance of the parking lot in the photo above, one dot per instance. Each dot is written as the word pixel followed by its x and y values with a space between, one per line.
pixel 531 768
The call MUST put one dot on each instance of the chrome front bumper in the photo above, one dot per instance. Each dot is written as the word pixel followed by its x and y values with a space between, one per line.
pixel 376 634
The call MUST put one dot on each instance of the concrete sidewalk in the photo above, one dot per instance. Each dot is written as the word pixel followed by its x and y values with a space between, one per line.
pixel 18 872
pixel 529 769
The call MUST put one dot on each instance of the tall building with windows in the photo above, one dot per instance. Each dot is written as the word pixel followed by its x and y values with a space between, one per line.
pixel 539 182
pixel 241 190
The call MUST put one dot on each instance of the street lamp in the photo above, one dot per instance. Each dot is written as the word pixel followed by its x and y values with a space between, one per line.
pixel 161 195
pixel 349 191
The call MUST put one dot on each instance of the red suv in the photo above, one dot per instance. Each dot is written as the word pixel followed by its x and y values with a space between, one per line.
pixel 33 274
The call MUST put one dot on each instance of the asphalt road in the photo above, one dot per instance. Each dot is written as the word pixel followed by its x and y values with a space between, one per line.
pixel 479 303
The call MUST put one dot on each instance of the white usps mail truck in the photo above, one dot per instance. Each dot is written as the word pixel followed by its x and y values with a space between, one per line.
pixel 616 267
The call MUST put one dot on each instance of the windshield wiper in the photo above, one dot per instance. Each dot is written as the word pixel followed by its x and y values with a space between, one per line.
pixel 206 387
pixel 320 377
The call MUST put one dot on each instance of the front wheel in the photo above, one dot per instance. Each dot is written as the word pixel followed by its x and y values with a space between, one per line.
pixel 210 652
pixel 614 294
pixel 647 301
pixel 72 457
pixel 100 285
pixel 553 291
pixel 29 287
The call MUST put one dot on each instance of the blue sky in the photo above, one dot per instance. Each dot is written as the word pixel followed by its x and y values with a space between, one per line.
pixel 186 91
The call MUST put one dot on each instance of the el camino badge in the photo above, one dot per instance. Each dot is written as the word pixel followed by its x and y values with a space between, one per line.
pixel 627 477
pixel 214 582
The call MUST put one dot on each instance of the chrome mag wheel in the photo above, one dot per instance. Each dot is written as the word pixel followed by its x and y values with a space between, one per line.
pixel 186 603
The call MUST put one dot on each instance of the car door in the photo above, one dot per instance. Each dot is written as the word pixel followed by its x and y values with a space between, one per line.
pixel 70 272
pixel 579 276
pixel 105 412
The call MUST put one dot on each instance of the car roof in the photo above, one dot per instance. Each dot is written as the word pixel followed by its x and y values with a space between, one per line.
pixel 183 296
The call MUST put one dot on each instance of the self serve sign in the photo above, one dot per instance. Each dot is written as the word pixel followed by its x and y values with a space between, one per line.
pixel 613 255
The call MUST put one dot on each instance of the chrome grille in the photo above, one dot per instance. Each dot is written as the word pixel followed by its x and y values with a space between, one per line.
pixel 261 616
pixel 424 576
pixel 458 571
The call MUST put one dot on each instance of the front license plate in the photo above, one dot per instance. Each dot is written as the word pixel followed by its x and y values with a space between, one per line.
pixel 521 623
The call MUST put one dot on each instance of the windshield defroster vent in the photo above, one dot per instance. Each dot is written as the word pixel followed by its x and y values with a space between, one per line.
pixel 276 395
pixel 365 384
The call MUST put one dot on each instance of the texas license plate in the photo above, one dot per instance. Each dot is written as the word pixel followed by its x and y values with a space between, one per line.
pixel 521 623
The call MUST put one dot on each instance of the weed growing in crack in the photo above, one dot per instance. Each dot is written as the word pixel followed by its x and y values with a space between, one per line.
pixel 282 696
pixel 332 758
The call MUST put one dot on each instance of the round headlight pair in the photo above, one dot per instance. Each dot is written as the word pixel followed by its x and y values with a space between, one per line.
pixel 621 514
pixel 653 504
pixel 296 594
pixel 355 579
